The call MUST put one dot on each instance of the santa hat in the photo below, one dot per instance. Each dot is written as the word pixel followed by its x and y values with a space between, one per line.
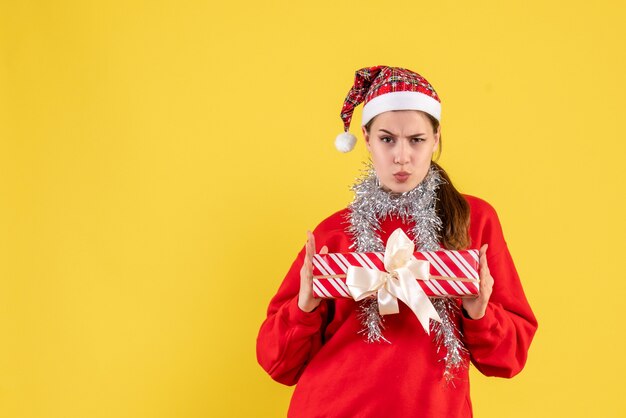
pixel 382 89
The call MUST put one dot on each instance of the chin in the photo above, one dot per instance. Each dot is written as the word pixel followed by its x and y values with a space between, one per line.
pixel 402 187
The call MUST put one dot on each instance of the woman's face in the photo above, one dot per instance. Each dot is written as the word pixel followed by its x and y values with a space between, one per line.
pixel 402 144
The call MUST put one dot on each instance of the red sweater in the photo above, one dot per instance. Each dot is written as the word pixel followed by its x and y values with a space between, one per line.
pixel 339 374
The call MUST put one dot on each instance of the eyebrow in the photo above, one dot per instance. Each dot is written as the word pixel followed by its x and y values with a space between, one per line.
pixel 392 134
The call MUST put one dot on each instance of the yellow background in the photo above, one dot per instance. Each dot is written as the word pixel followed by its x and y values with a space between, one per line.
pixel 160 162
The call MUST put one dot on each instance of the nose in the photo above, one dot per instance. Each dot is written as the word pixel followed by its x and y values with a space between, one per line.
pixel 403 153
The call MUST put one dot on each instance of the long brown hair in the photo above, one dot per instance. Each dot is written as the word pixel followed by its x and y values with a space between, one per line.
pixel 452 208
pixel 454 212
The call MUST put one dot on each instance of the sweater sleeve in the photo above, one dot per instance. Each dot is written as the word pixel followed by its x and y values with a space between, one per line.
pixel 289 337
pixel 498 342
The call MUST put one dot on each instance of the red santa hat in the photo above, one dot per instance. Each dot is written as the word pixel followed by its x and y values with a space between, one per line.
pixel 382 89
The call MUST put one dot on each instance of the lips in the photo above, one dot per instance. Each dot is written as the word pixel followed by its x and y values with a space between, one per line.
pixel 401 176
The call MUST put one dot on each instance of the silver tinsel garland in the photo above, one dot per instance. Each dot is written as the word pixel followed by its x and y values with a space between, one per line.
pixel 370 206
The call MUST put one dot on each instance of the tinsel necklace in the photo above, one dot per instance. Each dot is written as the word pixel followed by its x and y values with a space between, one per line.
pixel 370 206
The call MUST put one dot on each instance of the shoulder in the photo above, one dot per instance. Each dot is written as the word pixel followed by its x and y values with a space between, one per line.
pixel 338 221
pixel 480 208
pixel 332 232
pixel 484 223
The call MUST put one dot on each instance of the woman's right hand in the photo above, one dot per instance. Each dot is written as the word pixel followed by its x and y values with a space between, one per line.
pixel 306 300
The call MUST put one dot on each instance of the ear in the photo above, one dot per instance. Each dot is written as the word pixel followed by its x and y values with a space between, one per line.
pixel 367 137
pixel 437 137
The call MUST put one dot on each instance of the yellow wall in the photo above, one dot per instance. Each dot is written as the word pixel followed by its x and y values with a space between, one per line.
pixel 160 162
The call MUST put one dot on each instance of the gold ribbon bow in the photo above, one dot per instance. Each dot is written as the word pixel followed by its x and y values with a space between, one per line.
pixel 398 282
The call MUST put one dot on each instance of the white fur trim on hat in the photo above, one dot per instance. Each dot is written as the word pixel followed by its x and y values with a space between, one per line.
pixel 345 142
pixel 401 100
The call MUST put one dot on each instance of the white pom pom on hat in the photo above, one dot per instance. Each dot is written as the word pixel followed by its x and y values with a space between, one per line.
pixel 345 142
pixel 382 89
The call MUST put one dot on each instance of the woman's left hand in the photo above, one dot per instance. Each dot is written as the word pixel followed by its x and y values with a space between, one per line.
pixel 477 307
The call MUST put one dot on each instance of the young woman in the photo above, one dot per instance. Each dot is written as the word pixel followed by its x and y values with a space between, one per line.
pixel 347 360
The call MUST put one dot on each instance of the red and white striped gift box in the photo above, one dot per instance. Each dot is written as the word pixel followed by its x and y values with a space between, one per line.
pixel 452 273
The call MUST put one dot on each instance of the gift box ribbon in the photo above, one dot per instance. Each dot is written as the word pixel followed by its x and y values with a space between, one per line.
pixel 397 282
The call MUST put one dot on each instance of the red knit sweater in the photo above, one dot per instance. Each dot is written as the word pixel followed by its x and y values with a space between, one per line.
pixel 339 374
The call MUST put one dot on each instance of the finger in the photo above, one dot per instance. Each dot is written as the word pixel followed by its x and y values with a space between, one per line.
pixel 483 258
pixel 483 254
pixel 311 242
pixel 486 282
pixel 308 246
pixel 306 271
pixel 485 278
pixel 308 266
pixel 324 250
pixel 483 250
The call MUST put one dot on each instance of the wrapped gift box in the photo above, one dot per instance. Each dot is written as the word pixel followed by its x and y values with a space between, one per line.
pixel 452 273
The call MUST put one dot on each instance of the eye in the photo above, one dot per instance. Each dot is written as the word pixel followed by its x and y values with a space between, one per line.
pixel 417 139
pixel 386 139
